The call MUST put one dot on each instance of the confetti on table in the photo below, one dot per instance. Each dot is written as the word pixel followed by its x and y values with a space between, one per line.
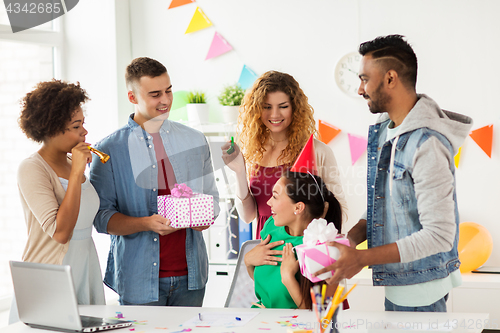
pixel 285 323
pixel 119 315
pixel 289 316
pixel 161 328
pixel 264 322
pixel 264 328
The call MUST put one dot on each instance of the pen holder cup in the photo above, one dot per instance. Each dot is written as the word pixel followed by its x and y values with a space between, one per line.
pixel 330 326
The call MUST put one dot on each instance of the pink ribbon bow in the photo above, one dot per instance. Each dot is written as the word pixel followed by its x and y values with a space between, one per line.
pixel 181 191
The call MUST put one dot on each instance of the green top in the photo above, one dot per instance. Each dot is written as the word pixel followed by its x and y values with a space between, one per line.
pixel 269 289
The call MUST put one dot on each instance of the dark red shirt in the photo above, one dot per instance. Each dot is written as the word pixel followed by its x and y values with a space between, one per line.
pixel 172 246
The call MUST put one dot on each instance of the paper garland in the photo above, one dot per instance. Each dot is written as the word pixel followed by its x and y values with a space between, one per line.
pixel 358 145
pixel 484 138
pixel 180 100
pixel 199 21
pixel 457 157
pixel 247 77
pixel 327 132
pixel 219 46
pixel 178 3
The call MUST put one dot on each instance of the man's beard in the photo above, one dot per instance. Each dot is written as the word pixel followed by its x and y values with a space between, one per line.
pixel 382 99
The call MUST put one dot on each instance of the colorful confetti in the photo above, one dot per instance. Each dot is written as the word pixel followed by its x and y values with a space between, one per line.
pixel 184 330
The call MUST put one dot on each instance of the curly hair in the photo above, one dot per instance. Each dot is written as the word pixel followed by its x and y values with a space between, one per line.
pixel 253 134
pixel 47 109
pixel 140 67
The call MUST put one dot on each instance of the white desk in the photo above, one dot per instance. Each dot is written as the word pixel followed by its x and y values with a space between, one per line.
pixel 156 319
pixel 478 293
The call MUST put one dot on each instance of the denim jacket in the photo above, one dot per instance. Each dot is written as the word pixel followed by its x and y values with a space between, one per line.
pixel 419 212
pixel 128 183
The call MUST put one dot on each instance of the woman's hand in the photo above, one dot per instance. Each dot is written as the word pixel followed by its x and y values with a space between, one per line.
pixel 235 160
pixel 289 265
pixel 80 156
pixel 262 253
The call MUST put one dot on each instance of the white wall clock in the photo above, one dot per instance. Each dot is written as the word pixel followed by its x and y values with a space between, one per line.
pixel 346 73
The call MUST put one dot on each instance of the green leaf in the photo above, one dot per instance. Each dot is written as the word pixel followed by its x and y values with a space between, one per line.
pixel 232 95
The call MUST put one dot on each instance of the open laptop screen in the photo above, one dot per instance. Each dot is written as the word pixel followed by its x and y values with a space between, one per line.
pixel 46 298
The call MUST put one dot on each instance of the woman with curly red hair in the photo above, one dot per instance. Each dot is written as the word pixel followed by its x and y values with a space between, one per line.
pixel 274 124
pixel 58 200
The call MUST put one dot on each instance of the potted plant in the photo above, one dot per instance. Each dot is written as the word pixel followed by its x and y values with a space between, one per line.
pixel 231 98
pixel 197 108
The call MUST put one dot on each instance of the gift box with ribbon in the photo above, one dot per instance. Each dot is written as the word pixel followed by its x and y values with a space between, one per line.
pixel 186 209
pixel 314 254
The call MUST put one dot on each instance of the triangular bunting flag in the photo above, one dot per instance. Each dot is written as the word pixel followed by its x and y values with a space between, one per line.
pixel 180 100
pixel 358 145
pixel 327 132
pixel 307 159
pixel 483 137
pixel 198 22
pixel 219 46
pixel 178 3
pixel 247 77
pixel 457 157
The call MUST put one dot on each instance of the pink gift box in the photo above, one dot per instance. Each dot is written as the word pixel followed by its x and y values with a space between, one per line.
pixel 196 211
pixel 315 257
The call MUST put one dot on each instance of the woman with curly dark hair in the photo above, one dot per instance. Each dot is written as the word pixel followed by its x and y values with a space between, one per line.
pixel 58 200
pixel 274 124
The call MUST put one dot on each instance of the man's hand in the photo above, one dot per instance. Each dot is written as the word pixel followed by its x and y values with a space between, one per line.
pixel 262 253
pixel 160 225
pixel 348 265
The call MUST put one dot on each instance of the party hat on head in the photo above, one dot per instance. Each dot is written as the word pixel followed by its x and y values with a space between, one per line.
pixel 307 159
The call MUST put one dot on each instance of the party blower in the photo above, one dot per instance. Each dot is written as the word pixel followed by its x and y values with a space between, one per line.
pixel 102 156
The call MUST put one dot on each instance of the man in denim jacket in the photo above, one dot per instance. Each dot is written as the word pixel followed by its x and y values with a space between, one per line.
pixel 150 262
pixel 411 223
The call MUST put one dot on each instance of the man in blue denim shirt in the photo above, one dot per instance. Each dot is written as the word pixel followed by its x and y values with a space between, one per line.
pixel 150 262
pixel 411 223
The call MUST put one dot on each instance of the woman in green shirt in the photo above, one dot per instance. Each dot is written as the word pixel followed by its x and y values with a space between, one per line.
pixel 297 199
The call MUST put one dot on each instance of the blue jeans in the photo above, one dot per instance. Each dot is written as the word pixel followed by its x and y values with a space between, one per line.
pixel 438 306
pixel 174 292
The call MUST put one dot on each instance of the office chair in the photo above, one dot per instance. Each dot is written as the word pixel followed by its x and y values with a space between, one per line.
pixel 242 291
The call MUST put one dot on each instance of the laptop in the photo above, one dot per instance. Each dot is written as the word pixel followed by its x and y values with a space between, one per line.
pixel 46 299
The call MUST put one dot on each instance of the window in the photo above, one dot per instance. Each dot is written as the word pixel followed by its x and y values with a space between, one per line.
pixel 25 59
pixel 21 67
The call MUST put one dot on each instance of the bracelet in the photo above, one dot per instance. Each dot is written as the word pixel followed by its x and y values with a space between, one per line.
pixel 249 193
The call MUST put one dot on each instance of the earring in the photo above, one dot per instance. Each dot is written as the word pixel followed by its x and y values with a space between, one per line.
pixel 295 213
